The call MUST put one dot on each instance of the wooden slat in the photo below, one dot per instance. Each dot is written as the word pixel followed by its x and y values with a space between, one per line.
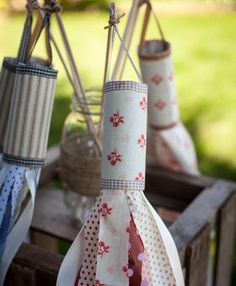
pixel 33 266
pixel 50 216
pixel 225 245
pixel 175 185
pixel 201 211
pixel 197 258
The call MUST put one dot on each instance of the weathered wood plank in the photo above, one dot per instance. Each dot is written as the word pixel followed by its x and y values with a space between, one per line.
pixel 197 258
pixel 175 185
pixel 201 211
pixel 225 244
pixel 50 216
pixel 33 266
pixel 44 241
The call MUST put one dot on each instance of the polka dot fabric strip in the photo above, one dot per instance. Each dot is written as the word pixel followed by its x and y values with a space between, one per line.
pixel 124 245
pixel 161 272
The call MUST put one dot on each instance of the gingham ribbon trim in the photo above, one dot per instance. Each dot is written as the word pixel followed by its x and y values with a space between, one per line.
pixel 122 185
pixel 21 161
pixel 125 85
pixel 21 68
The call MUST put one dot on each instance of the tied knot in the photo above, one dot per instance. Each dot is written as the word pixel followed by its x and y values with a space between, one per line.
pixel 53 7
pixel 114 18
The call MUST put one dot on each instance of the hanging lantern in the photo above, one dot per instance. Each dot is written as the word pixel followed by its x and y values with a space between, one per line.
pixel 7 77
pixel 123 242
pixel 25 143
pixel 169 143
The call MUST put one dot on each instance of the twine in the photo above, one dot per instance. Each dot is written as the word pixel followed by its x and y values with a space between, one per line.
pixel 80 169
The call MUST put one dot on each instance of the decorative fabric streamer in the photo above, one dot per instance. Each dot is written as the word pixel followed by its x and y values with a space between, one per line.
pixel 24 147
pixel 123 242
pixel 169 143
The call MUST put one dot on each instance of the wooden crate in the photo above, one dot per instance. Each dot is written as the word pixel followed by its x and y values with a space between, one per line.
pixel 201 210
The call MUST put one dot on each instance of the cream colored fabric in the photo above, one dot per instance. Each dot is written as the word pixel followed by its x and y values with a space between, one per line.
pixel 169 143
pixel 29 118
pixel 6 85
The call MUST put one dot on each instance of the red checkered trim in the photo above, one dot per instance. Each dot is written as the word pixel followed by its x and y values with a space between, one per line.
pixel 125 85
pixel 122 185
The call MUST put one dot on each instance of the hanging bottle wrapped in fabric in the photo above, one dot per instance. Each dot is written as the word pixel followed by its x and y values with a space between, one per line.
pixel 114 247
pixel 7 77
pixel 25 141
pixel 169 143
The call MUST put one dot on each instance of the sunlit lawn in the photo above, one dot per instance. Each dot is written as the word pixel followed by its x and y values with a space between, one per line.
pixel 205 71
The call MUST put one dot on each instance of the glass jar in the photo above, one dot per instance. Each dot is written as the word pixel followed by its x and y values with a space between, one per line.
pixel 80 167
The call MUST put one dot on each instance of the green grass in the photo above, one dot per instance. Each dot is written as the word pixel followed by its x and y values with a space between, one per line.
pixel 204 59
pixel 205 72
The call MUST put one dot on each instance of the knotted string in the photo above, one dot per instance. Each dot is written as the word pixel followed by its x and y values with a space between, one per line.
pixel 113 22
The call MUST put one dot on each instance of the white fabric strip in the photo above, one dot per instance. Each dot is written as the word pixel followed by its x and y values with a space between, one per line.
pixel 173 149
pixel 19 231
pixel 72 261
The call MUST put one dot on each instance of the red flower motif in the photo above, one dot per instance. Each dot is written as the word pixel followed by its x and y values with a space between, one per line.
pixel 142 141
pixel 102 249
pixel 160 104
pixel 157 79
pixel 143 103
pixel 116 119
pixel 140 177
pixel 114 157
pixel 105 210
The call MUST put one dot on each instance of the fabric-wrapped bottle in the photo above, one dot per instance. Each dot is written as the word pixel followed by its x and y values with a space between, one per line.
pixel 169 143
pixel 123 242
pixel 25 144
pixel 7 77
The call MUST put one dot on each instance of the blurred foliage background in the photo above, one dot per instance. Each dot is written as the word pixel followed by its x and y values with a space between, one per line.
pixel 203 38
